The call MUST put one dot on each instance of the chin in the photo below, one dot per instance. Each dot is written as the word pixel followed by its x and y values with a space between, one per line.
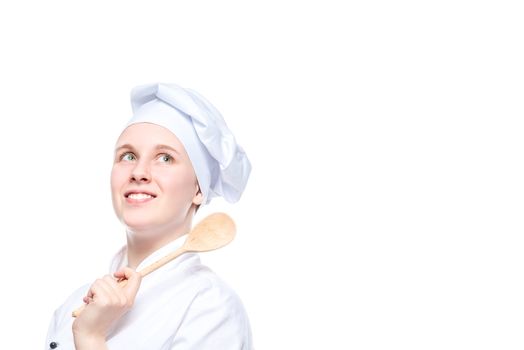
pixel 138 223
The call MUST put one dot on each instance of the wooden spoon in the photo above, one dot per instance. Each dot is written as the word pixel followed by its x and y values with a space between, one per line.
pixel 212 232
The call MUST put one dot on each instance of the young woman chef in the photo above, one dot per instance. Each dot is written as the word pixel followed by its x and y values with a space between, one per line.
pixel 175 154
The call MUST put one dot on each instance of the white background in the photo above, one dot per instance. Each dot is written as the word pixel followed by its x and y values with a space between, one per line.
pixel 385 205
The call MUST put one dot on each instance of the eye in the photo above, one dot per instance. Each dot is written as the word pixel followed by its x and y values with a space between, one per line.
pixel 127 156
pixel 167 158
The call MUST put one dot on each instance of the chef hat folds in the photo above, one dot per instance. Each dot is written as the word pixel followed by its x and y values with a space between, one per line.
pixel 221 166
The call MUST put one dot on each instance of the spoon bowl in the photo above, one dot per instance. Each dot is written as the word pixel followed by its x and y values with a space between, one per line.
pixel 212 232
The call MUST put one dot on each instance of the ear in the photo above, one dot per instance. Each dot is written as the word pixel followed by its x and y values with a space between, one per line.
pixel 198 197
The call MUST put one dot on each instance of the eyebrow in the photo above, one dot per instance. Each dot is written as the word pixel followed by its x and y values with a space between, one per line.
pixel 157 147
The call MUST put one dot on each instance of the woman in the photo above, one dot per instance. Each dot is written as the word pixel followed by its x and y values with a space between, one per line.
pixel 175 154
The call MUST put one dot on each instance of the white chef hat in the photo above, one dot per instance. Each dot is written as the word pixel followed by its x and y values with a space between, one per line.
pixel 221 165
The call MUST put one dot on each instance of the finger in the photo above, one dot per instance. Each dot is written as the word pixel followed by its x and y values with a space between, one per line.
pixel 117 290
pixel 103 292
pixel 112 283
pixel 123 273
pixel 121 277
pixel 133 281
pixel 95 293
pixel 91 291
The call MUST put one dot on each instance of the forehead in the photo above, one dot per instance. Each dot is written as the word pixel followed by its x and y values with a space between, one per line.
pixel 148 135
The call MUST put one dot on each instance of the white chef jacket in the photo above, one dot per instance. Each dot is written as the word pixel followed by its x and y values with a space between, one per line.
pixel 183 305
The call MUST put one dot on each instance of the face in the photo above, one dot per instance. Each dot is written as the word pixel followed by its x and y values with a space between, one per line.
pixel 153 183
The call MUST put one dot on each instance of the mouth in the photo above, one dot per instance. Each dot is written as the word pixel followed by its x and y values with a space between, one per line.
pixel 134 197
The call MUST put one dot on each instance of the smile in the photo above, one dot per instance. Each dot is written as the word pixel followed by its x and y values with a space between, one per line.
pixel 138 197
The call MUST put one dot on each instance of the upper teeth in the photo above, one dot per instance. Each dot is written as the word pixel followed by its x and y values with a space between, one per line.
pixel 139 195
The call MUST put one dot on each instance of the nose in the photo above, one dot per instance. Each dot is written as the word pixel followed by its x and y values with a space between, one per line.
pixel 141 172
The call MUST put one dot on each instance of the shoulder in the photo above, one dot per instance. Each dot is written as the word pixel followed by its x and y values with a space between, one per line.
pixel 213 296
pixel 212 288
pixel 216 317
pixel 61 320
pixel 73 301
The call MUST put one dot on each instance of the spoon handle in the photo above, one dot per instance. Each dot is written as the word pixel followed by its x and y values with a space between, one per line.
pixel 159 263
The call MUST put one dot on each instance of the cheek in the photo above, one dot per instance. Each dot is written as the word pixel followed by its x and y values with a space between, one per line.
pixel 179 185
pixel 118 176
pixel 118 179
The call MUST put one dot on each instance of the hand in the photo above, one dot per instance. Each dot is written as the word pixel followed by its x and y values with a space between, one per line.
pixel 106 302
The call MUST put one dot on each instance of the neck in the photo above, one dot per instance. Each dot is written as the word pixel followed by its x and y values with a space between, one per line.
pixel 142 243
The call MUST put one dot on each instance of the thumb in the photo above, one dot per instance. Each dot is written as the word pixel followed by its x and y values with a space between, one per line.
pixel 129 281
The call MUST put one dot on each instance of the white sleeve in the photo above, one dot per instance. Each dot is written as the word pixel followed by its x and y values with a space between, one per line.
pixel 215 320
pixel 51 330
pixel 60 330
